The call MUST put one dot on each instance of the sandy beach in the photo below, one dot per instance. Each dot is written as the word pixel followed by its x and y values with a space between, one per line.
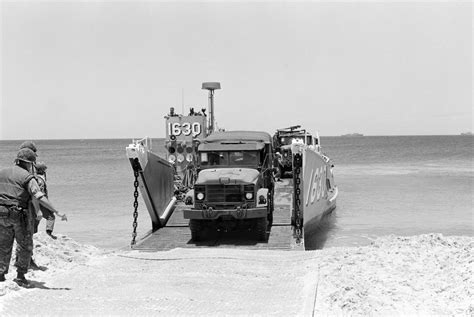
pixel 427 274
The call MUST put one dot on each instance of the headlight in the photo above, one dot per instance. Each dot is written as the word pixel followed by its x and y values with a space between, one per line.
pixel 200 196
pixel 189 157
pixel 188 200
pixel 180 158
pixel 248 196
pixel 171 159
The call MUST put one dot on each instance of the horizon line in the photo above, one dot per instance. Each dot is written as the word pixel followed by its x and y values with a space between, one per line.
pixel 154 137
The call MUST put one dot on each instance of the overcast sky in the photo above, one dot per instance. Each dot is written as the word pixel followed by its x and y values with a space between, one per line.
pixel 112 69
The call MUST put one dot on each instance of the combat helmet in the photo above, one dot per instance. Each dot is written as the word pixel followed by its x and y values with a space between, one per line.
pixel 41 168
pixel 29 145
pixel 26 155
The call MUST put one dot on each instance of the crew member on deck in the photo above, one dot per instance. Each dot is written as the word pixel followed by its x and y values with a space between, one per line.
pixel 172 113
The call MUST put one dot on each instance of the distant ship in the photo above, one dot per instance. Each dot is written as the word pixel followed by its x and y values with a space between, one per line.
pixel 352 134
pixel 467 133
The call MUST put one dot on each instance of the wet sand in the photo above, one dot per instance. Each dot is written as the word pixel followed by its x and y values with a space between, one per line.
pixel 427 274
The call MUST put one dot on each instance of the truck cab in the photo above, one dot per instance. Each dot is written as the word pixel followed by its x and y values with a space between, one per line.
pixel 284 138
pixel 235 184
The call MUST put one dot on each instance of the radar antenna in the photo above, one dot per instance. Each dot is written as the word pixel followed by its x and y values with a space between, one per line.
pixel 211 86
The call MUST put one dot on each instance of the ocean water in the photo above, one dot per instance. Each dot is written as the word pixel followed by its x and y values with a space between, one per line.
pixel 403 185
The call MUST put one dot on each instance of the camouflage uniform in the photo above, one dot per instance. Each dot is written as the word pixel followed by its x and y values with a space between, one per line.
pixel 17 187
pixel 47 214
pixel 12 228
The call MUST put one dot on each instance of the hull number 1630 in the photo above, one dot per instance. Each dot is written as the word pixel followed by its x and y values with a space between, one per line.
pixel 177 128
pixel 316 188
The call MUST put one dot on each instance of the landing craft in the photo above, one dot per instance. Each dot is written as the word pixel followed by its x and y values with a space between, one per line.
pixel 217 188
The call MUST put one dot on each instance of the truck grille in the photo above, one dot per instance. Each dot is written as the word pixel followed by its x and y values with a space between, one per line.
pixel 224 193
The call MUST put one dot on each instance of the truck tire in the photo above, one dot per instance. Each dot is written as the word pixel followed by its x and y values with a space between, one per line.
pixel 197 228
pixel 261 228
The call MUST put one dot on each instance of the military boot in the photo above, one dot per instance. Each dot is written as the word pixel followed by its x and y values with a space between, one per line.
pixel 35 267
pixel 50 233
pixel 21 280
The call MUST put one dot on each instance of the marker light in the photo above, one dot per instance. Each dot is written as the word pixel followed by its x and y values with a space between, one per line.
pixel 248 196
pixel 200 196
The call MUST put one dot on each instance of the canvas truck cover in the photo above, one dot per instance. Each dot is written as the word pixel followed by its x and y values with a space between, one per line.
pixel 239 136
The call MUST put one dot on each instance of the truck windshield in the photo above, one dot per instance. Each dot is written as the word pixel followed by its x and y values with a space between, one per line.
pixel 233 158
pixel 243 158
pixel 214 158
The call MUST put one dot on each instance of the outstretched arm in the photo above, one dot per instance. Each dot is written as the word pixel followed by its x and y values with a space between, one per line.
pixel 46 203
pixel 38 195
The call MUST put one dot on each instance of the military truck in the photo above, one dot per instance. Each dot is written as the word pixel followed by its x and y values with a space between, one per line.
pixel 284 138
pixel 234 186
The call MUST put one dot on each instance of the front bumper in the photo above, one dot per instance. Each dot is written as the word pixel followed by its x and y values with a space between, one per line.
pixel 237 213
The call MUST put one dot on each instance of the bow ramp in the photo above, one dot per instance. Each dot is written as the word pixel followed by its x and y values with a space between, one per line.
pixel 154 177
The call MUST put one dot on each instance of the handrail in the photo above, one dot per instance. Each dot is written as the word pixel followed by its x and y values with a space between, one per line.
pixel 146 140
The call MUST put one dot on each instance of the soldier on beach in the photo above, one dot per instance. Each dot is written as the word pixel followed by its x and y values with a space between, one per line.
pixel 33 210
pixel 47 214
pixel 17 187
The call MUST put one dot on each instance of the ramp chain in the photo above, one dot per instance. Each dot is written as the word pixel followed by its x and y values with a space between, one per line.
pixel 136 167
pixel 297 164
